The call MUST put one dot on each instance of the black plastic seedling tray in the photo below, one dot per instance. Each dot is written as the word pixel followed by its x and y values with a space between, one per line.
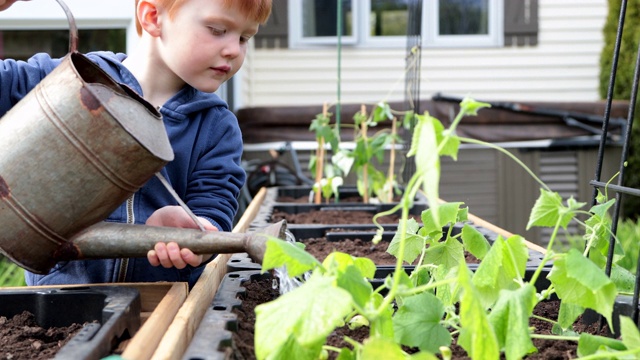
pixel 213 339
pixel 340 232
pixel 112 313
pixel 270 203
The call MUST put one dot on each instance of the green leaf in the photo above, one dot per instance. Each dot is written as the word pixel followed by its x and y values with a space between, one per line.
pixel 476 336
pixel 346 354
pixel 343 161
pixel 447 214
pixel 510 319
pixel 311 312
pixel 351 274
pixel 629 333
pixel 624 279
pixel 568 314
pixel 383 324
pixel 597 234
pixel 382 112
pixel 417 323
pixel 422 356
pixel 378 347
pixel 449 294
pixel 291 347
pixel 505 261
pixel 591 344
pixel 601 209
pixel 448 142
pixel 448 253
pixel 428 161
pixel 283 253
pixel 579 281
pixel 470 107
pixel 414 243
pixel 474 242
pixel 548 210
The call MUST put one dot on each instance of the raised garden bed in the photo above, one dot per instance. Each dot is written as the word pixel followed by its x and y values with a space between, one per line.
pixel 101 317
pixel 232 315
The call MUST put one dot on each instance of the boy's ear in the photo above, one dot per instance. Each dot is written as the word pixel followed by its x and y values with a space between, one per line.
pixel 149 17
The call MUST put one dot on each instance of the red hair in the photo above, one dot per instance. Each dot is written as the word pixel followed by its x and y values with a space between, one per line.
pixel 256 10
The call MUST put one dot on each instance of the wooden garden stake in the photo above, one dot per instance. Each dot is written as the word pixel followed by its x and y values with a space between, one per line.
pixel 392 159
pixel 320 161
pixel 365 172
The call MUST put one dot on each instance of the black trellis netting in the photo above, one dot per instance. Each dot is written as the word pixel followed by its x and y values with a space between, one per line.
pixel 618 188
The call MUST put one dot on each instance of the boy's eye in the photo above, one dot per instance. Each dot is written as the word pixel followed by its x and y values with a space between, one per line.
pixel 245 39
pixel 217 31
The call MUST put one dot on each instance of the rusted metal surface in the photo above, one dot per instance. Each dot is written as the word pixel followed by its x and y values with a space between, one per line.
pixel 74 149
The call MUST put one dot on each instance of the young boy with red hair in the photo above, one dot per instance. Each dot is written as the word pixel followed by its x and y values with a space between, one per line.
pixel 186 50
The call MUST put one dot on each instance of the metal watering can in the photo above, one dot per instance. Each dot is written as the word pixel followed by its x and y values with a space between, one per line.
pixel 73 150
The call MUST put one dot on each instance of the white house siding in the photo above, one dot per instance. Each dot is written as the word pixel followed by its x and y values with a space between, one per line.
pixel 564 66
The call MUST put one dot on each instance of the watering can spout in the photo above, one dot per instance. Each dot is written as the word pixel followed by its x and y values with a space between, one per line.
pixel 115 240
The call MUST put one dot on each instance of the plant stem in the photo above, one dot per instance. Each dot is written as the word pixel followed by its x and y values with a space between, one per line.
pixel 555 337
pixel 423 288
pixel 544 319
pixel 535 276
pixel 513 157
pixel 399 261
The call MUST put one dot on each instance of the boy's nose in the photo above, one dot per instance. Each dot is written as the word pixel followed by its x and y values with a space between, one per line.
pixel 231 48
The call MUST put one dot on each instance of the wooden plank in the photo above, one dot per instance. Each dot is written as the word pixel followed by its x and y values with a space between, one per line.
pixel 177 338
pixel 146 340
pixel 504 233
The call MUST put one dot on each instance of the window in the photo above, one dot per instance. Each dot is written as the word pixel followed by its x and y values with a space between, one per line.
pixel 445 23
pixel 468 23
pixel 22 44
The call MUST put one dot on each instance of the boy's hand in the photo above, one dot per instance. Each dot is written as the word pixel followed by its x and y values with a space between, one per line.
pixel 169 254
pixel 4 4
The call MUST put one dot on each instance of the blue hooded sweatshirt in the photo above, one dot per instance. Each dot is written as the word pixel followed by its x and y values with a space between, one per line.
pixel 205 173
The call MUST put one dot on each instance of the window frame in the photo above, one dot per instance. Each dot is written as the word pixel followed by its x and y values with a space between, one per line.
pixel 430 26
pixel 362 39
pixel 45 15
pixel 296 40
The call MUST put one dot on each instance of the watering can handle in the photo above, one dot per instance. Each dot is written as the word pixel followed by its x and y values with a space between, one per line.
pixel 73 29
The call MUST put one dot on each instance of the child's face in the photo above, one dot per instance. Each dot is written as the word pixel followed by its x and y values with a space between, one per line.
pixel 205 43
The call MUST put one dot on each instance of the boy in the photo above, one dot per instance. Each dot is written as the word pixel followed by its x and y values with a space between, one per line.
pixel 187 49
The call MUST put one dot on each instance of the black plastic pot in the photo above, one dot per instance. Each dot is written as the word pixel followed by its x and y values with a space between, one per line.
pixel 112 314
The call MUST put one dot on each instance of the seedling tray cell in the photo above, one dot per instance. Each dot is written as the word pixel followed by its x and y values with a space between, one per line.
pixel 112 313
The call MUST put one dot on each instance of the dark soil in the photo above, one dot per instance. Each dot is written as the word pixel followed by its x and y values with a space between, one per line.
pixel 261 291
pixel 22 338
pixel 257 292
pixel 321 247
pixel 334 217
pixel 305 200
